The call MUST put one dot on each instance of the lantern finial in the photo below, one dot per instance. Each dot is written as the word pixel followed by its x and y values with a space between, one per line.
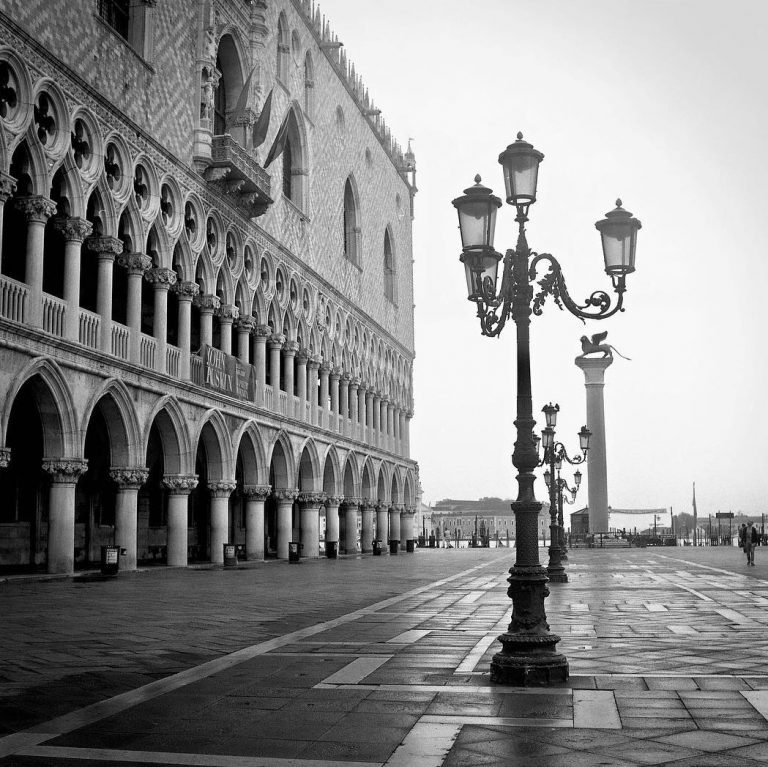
pixel 478 180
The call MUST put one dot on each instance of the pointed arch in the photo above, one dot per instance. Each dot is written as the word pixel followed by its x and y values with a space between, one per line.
pixel 331 471
pixel 172 425
pixel 249 443
pixel 351 477
pixel 308 478
pixel 214 436
pixel 368 487
pixel 230 55
pixel 282 462
pixel 351 221
pixel 396 493
pixel 295 160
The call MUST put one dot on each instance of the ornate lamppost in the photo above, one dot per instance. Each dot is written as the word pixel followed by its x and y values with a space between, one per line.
pixel 554 455
pixel 528 654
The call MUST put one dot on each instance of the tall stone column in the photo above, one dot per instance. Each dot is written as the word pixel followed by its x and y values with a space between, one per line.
pixel 302 357
pixel 128 481
pixel 597 475
pixel 289 354
pixel 37 210
pixel 366 533
pixel 310 504
pixel 106 250
pixel 61 511
pixel 135 264
pixel 408 527
pixel 332 503
pixel 395 533
pixel 244 326
pixel 407 434
pixel 396 426
pixel 382 524
pixel 227 314
pixel 208 304
pixel 285 498
pixel 391 426
pixel 344 397
pixel 161 280
pixel 260 335
pixel 335 375
pixel 7 188
pixel 179 486
pixel 220 492
pixel 361 394
pixel 313 365
pixel 276 341
pixel 74 231
pixel 185 293
pixel 325 371
pixel 376 419
pixel 255 495
pixel 350 524
pixel 354 386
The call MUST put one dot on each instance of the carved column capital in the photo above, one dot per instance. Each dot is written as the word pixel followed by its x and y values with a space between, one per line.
pixel 326 368
pixel 186 291
pixel 311 499
pixel 276 341
pixel 180 484
pixel 246 324
pixel 104 246
pixel 262 331
pixel 290 348
pixel 228 312
pixel 36 208
pixel 335 374
pixel 368 505
pixel 128 477
pixel 222 488
pixel 352 500
pixel 135 263
pixel 161 278
pixel 207 302
pixel 285 494
pixel 256 492
pixel 302 356
pixel 72 228
pixel 5 457
pixel 354 383
pixel 334 500
pixel 7 186
pixel 313 363
pixel 65 470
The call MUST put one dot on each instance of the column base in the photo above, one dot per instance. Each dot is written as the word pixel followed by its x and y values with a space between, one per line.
pixel 528 665
pixel 557 576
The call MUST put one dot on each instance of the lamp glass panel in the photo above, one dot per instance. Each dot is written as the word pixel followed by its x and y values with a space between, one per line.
pixel 520 177
pixel 619 241
pixel 480 267
pixel 584 436
pixel 548 438
pixel 477 222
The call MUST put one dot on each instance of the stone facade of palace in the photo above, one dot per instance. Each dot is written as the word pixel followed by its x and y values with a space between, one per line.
pixel 206 294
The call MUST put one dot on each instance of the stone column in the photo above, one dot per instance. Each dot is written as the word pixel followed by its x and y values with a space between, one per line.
pixel 135 264
pixel 208 304
pixel 391 426
pixel 220 492
pixel 354 386
pixel 350 525
pixel 244 326
pixel 302 357
pixel 394 523
pixel 227 314
pixel 361 394
pixel 7 188
pixel 289 353
pixel 376 440
pixel 396 426
pixel 260 335
pixel 332 503
pixel 128 481
pixel 37 210
pixel 344 397
pixel 407 528
pixel 335 375
pixel 255 495
pixel 325 370
pixel 366 534
pixel 285 498
pixel 74 231
pixel 179 486
pixel 106 250
pixel 61 511
pixel 310 504
pixel 276 341
pixel 185 293
pixel 313 366
pixel 382 525
pixel 407 434
pixel 161 280
pixel 597 475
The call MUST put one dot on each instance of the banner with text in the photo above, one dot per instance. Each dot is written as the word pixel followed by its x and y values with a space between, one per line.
pixel 227 374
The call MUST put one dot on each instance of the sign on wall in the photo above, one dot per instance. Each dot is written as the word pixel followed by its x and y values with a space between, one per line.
pixel 226 373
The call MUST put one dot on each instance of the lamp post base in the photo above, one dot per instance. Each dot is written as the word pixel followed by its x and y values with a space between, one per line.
pixel 557 577
pixel 531 665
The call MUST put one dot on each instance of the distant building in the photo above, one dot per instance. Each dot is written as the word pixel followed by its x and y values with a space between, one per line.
pixel 631 520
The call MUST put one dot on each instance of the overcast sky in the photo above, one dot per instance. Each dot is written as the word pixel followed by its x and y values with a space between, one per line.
pixel 659 102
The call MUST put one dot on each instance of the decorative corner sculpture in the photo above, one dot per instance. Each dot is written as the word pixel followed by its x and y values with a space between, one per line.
pixel 595 345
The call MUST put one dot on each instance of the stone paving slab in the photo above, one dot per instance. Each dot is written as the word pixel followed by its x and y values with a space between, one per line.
pixel 365 661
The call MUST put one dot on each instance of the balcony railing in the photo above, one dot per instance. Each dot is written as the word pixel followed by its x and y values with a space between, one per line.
pixel 147 349
pixel 89 328
pixel 13 299
pixel 120 336
pixel 54 312
pixel 172 360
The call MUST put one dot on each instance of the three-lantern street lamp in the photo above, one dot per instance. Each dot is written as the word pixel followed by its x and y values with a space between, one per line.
pixel 528 654
pixel 554 455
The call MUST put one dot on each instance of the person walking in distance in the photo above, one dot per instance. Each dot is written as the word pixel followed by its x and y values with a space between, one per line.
pixel 750 541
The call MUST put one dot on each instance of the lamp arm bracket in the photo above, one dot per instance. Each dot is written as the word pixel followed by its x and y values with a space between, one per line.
pixel 553 283
pixel 562 454
pixel 494 309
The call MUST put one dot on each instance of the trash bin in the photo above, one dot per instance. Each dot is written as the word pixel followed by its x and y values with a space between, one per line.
pixel 332 549
pixel 377 548
pixel 230 555
pixel 293 551
pixel 110 560
pixel 409 547
pixel 431 541
pixel 394 546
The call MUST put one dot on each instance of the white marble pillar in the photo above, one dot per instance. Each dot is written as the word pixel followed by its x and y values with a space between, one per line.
pixel 227 314
pixel 161 280
pixel 366 533
pixel 7 188
pixel 354 387
pixel 344 398
pixel 61 511
pixel 597 474
pixel 313 365
pixel 361 394
pixel 302 357
pixel 255 495
pixel 207 303
pixel 395 534
pixel 179 486
pixel 74 231
pixel 244 327
pixel 220 491
pixel 185 294
pixel 285 498
pixel 37 210
pixel 106 250
pixel 325 371
pixel 407 434
pixel 350 525
pixel 128 481
pixel 335 375
pixel 289 356
pixel 309 510
pixel 382 526
pixel 135 264
pixel 275 343
pixel 332 503
pixel 260 335
pixel 376 419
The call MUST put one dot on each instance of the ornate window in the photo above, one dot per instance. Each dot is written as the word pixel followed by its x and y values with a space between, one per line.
pixel 351 225
pixel 283 49
pixel 131 20
pixel 115 13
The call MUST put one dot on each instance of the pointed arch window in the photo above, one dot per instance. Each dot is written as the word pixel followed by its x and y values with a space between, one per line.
pixel 351 225
pixel 131 20
pixel 283 49
pixel 288 185
pixel 309 85
pixel 389 268
pixel 228 86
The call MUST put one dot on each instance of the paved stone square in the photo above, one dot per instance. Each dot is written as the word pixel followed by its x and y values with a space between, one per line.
pixel 382 661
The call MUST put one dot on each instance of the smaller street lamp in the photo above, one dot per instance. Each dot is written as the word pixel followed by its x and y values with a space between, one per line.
pixel 554 455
